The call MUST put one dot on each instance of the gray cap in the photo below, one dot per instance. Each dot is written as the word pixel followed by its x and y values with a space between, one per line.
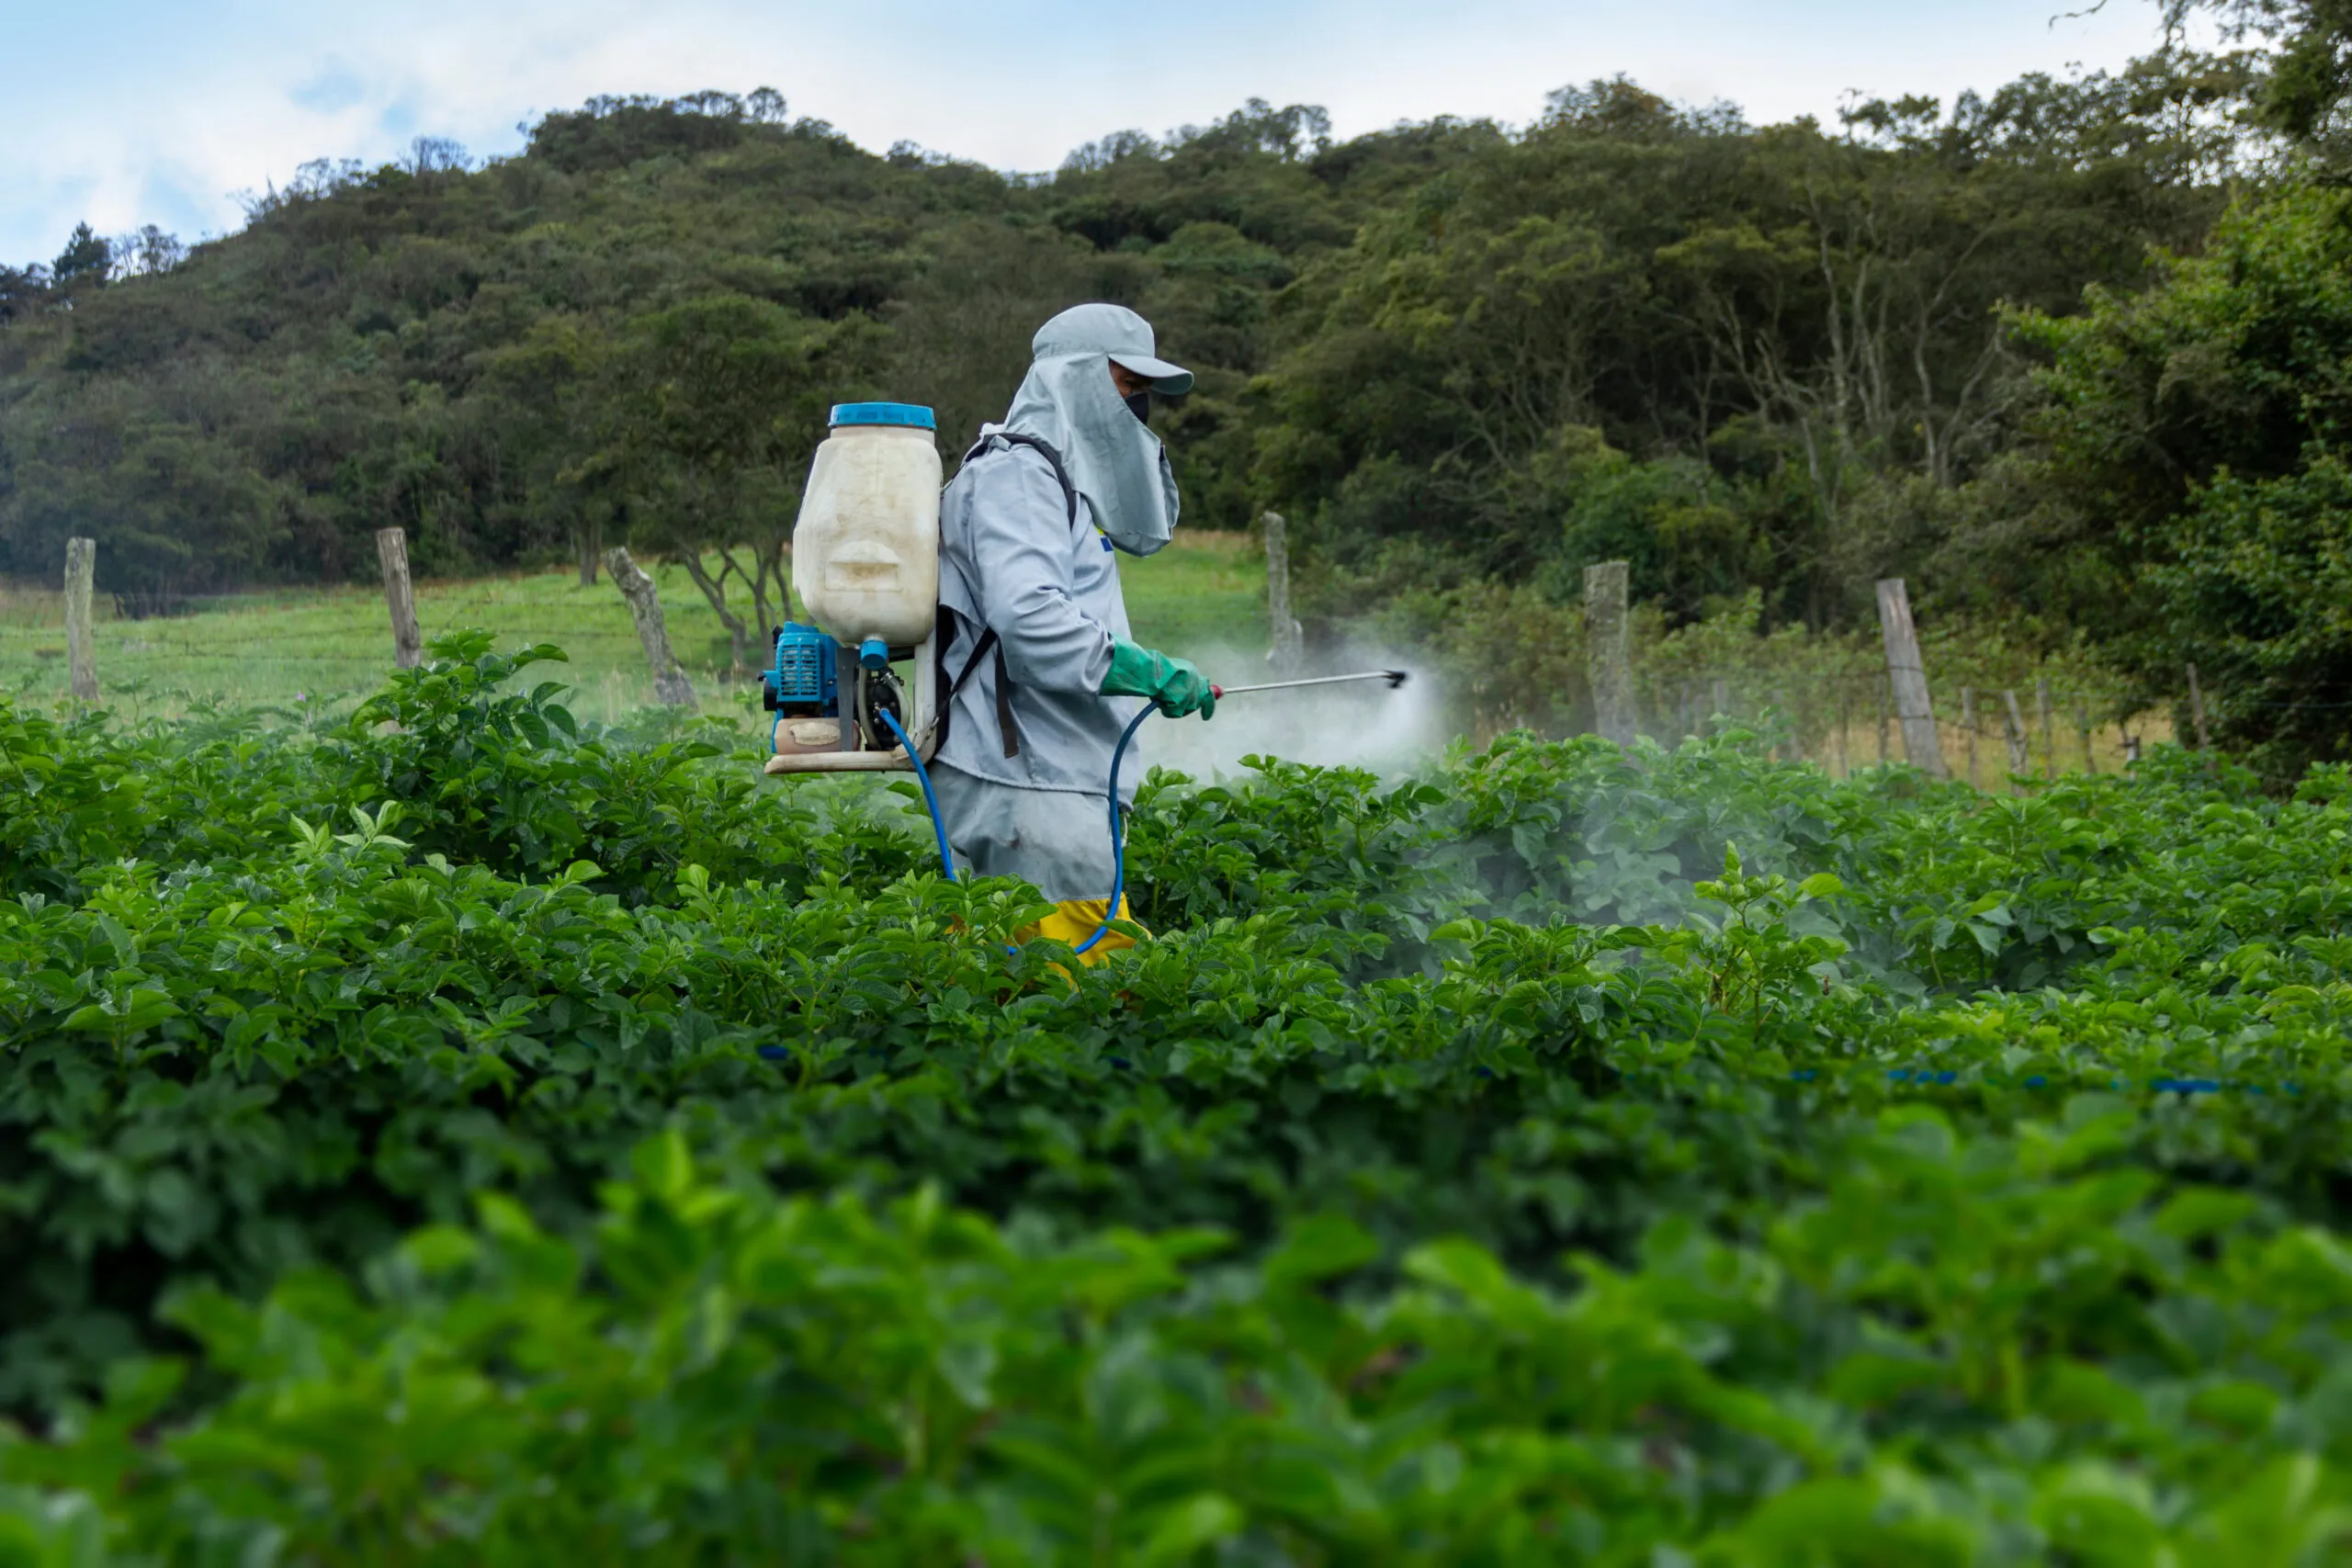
pixel 1116 332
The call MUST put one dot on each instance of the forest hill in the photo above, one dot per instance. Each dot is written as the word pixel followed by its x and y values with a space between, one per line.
pixel 1783 360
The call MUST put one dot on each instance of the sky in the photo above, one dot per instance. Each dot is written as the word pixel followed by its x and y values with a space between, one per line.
pixel 124 112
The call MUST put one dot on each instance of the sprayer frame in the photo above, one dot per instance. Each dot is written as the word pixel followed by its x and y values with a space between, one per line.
pixel 925 702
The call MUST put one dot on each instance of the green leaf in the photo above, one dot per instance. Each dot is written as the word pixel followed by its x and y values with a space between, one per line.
pixel 663 1165
pixel 1204 1520
pixel 1319 1248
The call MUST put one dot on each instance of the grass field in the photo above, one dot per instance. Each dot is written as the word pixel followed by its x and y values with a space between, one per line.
pixel 322 643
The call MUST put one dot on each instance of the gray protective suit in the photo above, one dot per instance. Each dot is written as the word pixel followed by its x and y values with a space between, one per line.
pixel 1013 561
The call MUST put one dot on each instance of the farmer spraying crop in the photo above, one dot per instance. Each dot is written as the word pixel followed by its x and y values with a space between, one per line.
pixel 1030 532
pixel 977 638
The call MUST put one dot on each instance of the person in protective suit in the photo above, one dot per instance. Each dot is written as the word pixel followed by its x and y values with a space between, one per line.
pixel 1041 669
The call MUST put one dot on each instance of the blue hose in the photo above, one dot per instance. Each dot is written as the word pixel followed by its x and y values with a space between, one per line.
pixel 1119 840
pixel 922 777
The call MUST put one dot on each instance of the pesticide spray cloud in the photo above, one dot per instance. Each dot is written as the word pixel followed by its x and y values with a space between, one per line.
pixel 1362 726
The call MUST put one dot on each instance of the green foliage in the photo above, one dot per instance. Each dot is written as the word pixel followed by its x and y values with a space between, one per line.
pixel 484 772
pixel 2302 70
pixel 1678 529
pixel 2191 440
pixel 460 1134
pixel 1744 358
pixel 85 260
pixel 2250 583
pixel 629 331
pixel 1762 364
pixel 1525 363
pixel 711 1372
pixel 1754 957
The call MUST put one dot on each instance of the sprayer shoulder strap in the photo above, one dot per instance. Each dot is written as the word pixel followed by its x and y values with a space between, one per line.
pixel 988 642
pixel 1045 449
pixel 987 645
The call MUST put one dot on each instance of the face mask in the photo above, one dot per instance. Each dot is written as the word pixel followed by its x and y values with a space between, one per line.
pixel 1139 405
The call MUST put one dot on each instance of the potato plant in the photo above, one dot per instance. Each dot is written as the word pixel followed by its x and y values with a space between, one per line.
pixel 493 1137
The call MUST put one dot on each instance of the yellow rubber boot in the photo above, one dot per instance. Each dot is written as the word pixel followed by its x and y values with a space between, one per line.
pixel 1075 920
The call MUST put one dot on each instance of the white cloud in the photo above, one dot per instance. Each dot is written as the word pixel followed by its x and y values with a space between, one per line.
pixel 199 108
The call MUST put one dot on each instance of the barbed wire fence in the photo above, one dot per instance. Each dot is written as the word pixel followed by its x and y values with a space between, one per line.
pixel 1987 717
pixel 1839 705
pixel 1847 721
pixel 182 633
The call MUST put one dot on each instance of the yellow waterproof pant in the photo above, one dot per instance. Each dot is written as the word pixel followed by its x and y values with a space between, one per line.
pixel 1075 920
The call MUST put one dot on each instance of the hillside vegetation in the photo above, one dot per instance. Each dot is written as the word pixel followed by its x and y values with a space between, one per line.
pixel 1776 361
pixel 1631 330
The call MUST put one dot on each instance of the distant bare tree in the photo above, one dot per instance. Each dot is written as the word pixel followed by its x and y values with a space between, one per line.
pixel 146 252
pixel 437 154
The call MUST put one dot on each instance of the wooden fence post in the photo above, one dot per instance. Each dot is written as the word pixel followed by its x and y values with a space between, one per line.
pixel 1288 634
pixel 1909 679
pixel 670 684
pixel 1883 711
pixel 2020 749
pixel 400 597
pixel 1968 718
pixel 81 639
pixel 1845 720
pixel 1608 661
pixel 2197 709
pixel 2082 731
pixel 2048 744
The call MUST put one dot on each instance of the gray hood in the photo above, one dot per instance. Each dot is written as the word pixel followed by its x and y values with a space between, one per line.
pixel 1113 459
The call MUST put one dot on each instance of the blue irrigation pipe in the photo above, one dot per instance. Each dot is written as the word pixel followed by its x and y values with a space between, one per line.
pixel 1944 1076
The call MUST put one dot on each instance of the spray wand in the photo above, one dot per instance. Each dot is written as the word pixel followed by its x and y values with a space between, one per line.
pixel 1395 678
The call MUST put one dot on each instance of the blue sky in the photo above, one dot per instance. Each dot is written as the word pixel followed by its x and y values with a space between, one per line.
pixel 130 111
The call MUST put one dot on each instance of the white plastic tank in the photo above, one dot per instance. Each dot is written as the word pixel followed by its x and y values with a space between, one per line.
pixel 866 547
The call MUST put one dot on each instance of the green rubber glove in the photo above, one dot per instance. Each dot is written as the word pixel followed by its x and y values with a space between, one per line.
pixel 1176 684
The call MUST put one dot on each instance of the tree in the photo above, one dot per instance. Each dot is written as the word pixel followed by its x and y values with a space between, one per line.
pixel 2192 438
pixel 174 510
pixel 437 155
pixel 146 253
pixel 22 292
pixel 2305 66
pixel 1741 358
pixel 85 260
pixel 716 408
pixel 2248 581
pixel 1812 317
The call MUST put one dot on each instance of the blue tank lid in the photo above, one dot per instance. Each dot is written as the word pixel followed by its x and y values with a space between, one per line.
pixel 914 414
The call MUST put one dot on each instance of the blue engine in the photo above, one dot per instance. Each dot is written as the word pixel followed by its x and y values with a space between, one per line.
pixel 806 681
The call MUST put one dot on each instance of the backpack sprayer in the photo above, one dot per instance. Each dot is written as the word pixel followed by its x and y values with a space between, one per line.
pixel 865 560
